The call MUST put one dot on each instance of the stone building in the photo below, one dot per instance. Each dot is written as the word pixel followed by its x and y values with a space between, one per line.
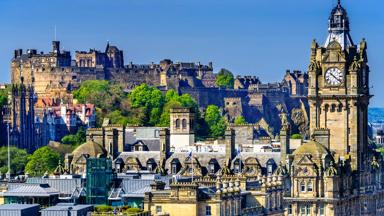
pixel 27 131
pixel 297 83
pixel 338 172
pixel 67 119
pixel 182 123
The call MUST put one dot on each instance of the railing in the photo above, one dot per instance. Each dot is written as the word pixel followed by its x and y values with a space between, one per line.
pixel 145 213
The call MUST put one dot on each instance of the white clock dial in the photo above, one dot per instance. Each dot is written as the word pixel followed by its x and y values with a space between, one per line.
pixel 334 76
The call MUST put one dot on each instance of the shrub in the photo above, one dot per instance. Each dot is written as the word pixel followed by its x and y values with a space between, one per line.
pixel 296 136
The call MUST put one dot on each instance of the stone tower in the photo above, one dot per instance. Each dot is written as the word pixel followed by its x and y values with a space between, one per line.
pixel 182 131
pixel 339 89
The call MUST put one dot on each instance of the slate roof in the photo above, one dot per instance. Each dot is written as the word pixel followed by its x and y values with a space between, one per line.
pixel 32 190
pixel 18 206
pixel 65 206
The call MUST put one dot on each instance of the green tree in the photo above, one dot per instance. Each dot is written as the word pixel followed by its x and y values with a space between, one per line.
pixel 174 100
pixel 42 160
pixel 225 79
pixel 240 120
pixel 75 139
pixel 150 99
pixel 19 157
pixel 215 122
pixel 4 96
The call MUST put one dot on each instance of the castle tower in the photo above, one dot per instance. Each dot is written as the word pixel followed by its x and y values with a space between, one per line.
pixel 339 89
pixel 182 127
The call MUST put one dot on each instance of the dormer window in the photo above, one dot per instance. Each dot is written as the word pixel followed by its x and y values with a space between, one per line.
pixel 237 167
pixel 302 187
pixel 310 186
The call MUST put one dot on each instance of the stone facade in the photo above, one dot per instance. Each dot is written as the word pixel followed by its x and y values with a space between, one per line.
pixel 338 172
pixel 55 75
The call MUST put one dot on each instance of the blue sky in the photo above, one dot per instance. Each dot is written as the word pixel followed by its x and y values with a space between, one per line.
pixel 250 37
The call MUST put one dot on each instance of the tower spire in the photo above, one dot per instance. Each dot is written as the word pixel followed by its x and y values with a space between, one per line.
pixel 339 2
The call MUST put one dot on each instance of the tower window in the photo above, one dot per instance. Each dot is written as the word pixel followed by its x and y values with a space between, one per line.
pixel 302 187
pixel 184 123
pixel 177 123
pixel 310 186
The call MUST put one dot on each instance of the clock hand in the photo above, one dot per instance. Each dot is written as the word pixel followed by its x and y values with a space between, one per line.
pixel 335 77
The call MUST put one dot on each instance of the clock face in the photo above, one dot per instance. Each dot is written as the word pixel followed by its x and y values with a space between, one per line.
pixel 334 77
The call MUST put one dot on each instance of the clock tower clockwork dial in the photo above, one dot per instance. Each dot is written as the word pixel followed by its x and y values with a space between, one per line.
pixel 334 77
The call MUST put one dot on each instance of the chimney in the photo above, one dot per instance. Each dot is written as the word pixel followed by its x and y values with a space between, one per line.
pixel 230 151
pixel 285 148
pixel 164 144
pixel 18 53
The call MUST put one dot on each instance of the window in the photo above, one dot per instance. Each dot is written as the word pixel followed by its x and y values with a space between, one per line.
pixel 149 167
pixel 212 168
pixel 289 210
pixel 310 186
pixel 177 123
pixel 270 169
pixel 302 187
pixel 208 211
pixel 174 168
pixel 184 124
pixel 158 209
pixel 305 210
pixel 321 210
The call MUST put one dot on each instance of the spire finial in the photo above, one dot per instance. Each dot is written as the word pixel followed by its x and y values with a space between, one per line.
pixel 338 2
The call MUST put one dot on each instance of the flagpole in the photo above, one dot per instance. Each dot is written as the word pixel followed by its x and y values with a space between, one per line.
pixel 9 156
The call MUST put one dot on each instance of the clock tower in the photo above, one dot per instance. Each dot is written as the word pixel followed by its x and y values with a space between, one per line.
pixel 339 91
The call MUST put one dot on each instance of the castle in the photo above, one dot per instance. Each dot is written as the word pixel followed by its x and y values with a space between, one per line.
pixel 55 75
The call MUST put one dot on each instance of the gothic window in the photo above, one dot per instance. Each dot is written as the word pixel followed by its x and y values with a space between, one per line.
pixel 333 108
pixel 340 108
pixel 302 187
pixel 309 186
pixel 184 123
pixel 177 123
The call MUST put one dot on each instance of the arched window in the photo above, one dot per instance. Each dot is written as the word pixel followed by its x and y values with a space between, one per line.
pixel 302 187
pixel 177 123
pixel 184 123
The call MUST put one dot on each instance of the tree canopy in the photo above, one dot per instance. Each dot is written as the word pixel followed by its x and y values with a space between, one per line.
pixel 225 79
pixel 4 96
pixel 19 157
pixel 42 160
pixel 240 120
pixel 215 122
pixel 75 139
